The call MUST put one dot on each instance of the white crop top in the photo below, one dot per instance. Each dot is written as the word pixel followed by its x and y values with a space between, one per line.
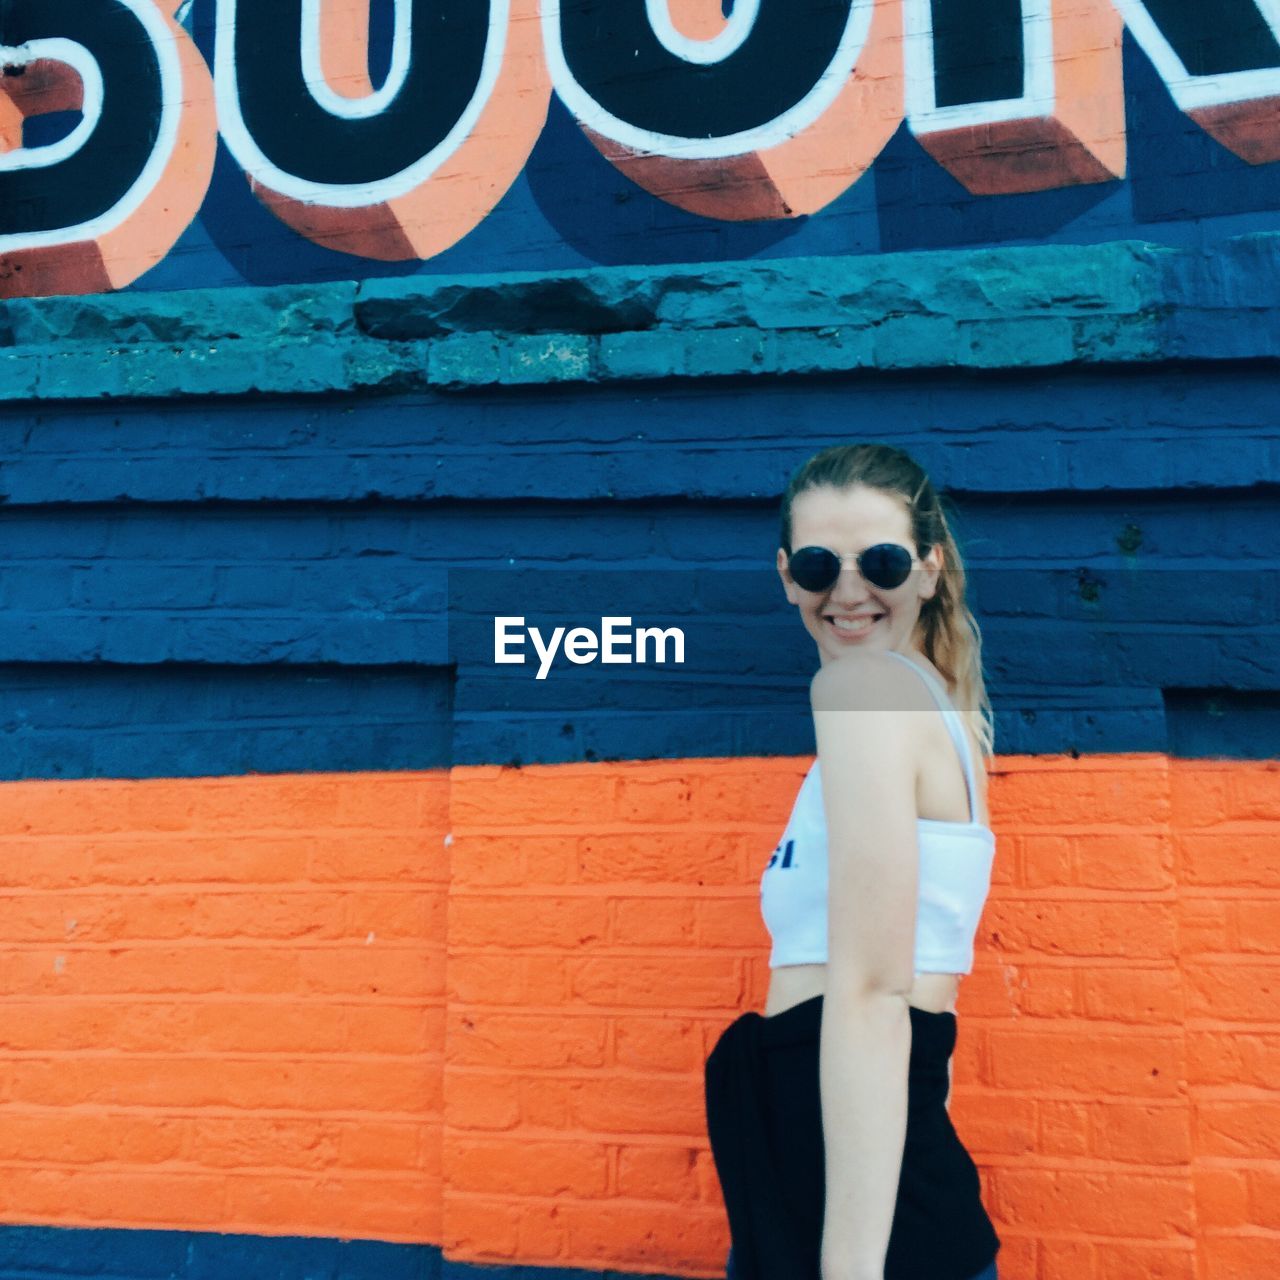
pixel 954 877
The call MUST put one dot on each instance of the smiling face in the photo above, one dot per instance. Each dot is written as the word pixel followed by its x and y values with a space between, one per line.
pixel 853 613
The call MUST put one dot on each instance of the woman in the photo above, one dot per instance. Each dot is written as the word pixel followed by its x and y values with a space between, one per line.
pixel 827 1115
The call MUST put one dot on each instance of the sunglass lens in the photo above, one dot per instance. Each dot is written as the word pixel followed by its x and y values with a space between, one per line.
pixel 886 565
pixel 814 568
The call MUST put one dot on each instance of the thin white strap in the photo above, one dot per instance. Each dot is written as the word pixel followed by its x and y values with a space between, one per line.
pixel 955 725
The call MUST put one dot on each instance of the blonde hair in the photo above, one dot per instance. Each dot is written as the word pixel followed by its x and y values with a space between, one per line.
pixel 950 636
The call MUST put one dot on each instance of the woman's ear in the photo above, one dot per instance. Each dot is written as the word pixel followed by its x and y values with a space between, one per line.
pixel 933 562
pixel 788 583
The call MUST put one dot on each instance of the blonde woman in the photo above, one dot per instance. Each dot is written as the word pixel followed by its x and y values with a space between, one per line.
pixel 828 1113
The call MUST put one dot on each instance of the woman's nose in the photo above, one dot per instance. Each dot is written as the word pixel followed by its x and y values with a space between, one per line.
pixel 850 585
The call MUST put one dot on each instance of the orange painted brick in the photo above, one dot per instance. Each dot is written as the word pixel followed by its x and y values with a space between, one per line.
pixel 1205 923
pixel 388 801
pixel 522 860
pixel 1155 1207
pixel 387 969
pixel 1167 1260
pixel 257 1141
pixel 487 977
pixel 1090 793
pixel 266 1026
pixel 68 1022
pixel 509 921
pixel 539 1232
pixel 993 1124
pixel 658 1043
pixel 1240 859
pixel 1133 930
pixel 488 798
pixel 1058 1259
pixel 478 1228
pixel 48 863
pixel 1047 861
pixel 1140 995
pixel 403 858
pixel 548 1102
pixel 653 922
pixel 111 1195
pixel 1264 1196
pixel 1244 1127
pixel 654 799
pixel 750 791
pixel 481 1101
pixel 631 981
pixel 708 1180
pixel 1141 1133
pixel 517 1041
pixel 1018 1252
pixel 163 969
pixel 1257 921
pixel 1044 990
pixel 731 922
pixel 1133 860
pixel 658 1173
pixel 384 1027
pixel 991 990
pixel 1215 1058
pixel 368 1085
pixel 390 1207
pixel 1232 991
pixel 1222 1197
pixel 1200 792
pixel 379 1144
pixel 393 914
pixel 202 859
pixel 1093 1063
pixel 669 1238
pixel 645 1104
pixel 688 858
pixel 531 1167
pixel 1239 1257
pixel 44 1137
pixel 1063 1128
pixel 1255 790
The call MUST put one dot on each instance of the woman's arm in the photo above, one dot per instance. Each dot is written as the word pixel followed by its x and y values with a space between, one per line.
pixel 868 786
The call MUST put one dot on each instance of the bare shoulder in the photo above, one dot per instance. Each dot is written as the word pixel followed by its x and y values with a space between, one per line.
pixel 865 682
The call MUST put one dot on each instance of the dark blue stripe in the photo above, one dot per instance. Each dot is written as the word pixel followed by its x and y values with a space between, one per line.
pixel 99 1253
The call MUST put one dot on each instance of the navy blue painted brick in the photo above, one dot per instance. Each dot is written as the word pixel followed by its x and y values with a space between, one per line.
pixel 101 1253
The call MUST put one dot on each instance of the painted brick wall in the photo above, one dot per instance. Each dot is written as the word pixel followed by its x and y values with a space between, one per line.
pixel 223 1003
pixel 229 543
pixel 264 1005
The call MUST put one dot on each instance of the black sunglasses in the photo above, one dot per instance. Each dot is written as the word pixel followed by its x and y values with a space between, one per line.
pixel 886 565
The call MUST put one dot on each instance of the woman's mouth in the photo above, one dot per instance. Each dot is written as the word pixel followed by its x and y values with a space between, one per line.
pixel 852 628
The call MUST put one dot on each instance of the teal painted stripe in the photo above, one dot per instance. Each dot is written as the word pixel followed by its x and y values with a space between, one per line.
pixel 1123 303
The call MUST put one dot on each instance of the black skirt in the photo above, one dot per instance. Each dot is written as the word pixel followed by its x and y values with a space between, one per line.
pixel 764 1119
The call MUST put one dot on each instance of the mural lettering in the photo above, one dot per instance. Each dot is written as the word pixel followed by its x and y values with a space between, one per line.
pixel 401 172
pixel 95 209
pixel 1221 63
pixel 736 110
pixel 769 113
pixel 1017 97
